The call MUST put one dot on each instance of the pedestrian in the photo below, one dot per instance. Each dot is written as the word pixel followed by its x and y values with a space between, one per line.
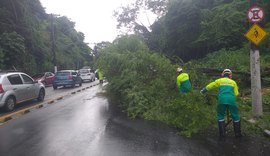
pixel 228 90
pixel 100 76
pixel 182 81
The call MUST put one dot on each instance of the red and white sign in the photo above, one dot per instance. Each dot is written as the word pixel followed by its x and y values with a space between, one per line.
pixel 255 14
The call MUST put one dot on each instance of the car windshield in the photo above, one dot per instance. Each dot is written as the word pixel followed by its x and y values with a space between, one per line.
pixel 38 76
pixel 84 71
pixel 62 73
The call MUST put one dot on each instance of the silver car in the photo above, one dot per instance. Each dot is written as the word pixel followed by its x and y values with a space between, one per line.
pixel 17 87
pixel 87 75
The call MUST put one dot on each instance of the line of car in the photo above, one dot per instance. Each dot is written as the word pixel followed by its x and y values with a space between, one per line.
pixel 17 87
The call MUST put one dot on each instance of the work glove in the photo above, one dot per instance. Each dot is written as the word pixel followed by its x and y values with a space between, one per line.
pixel 204 90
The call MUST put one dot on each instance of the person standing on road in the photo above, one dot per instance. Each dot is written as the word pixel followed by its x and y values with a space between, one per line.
pixel 228 90
pixel 183 82
pixel 100 76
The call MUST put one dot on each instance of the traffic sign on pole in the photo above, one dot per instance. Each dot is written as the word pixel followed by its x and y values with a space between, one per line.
pixel 255 14
pixel 255 34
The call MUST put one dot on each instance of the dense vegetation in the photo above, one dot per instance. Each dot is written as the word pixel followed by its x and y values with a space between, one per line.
pixel 26 35
pixel 194 34
pixel 144 83
pixel 191 29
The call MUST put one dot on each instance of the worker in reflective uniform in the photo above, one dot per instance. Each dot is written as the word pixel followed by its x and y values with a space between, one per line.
pixel 228 90
pixel 182 81
pixel 100 76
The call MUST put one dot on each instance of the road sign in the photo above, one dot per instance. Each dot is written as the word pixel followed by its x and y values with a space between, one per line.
pixel 255 34
pixel 255 14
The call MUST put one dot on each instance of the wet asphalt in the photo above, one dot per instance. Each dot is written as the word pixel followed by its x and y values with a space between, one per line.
pixel 86 124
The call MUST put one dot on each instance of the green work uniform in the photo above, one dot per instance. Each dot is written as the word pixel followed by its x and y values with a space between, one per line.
pixel 228 90
pixel 100 75
pixel 183 83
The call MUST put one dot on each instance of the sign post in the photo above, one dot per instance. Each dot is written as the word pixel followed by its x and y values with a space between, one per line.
pixel 255 35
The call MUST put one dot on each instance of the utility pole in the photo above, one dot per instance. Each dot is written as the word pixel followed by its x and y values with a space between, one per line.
pixel 255 76
pixel 53 44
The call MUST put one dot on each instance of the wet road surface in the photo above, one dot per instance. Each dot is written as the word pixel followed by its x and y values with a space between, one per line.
pixel 85 124
pixel 50 94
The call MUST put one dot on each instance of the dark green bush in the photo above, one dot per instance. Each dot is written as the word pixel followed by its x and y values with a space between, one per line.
pixel 144 83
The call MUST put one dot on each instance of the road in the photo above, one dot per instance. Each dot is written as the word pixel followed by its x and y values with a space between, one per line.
pixel 86 124
pixel 50 94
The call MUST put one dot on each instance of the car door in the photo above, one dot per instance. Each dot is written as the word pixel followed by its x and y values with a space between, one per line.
pixel 29 87
pixel 17 87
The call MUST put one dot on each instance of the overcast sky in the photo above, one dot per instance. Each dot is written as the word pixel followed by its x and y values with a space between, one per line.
pixel 92 17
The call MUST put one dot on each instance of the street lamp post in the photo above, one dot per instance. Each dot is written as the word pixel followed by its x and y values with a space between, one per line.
pixel 53 44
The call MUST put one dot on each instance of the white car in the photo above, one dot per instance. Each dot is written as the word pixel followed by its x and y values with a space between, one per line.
pixel 17 87
pixel 87 75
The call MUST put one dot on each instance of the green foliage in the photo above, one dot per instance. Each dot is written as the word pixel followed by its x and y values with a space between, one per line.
pixel 13 49
pixel 266 102
pixel 265 48
pixel 245 105
pixel 144 83
pixel 128 16
pixel 224 25
pixel 179 40
pixel 189 115
pixel 26 34
pixel 1 58
pixel 237 60
pixel 131 43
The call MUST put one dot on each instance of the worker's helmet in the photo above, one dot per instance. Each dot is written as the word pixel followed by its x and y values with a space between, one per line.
pixel 179 69
pixel 227 72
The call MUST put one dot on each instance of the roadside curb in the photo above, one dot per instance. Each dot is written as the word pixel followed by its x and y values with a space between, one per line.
pixel 253 121
pixel 4 119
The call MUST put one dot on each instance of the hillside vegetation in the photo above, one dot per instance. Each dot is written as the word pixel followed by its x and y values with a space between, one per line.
pixel 203 37
pixel 26 39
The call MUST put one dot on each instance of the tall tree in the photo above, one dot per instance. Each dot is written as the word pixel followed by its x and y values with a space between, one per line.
pixel 12 50
pixel 128 16
pixel 25 23
pixel 224 25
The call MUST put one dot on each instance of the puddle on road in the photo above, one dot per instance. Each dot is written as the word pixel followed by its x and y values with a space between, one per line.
pixel 246 146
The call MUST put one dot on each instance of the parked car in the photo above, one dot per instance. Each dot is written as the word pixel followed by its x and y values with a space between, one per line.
pixel 45 78
pixel 17 87
pixel 67 78
pixel 87 75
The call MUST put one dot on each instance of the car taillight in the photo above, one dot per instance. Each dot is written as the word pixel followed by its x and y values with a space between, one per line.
pixel 1 89
pixel 70 77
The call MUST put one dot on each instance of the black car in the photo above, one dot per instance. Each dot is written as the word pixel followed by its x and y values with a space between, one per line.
pixel 67 78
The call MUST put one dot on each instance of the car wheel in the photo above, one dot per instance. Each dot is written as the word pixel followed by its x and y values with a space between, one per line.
pixel 10 103
pixel 41 95
pixel 54 87
pixel 73 85
pixel 80 84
